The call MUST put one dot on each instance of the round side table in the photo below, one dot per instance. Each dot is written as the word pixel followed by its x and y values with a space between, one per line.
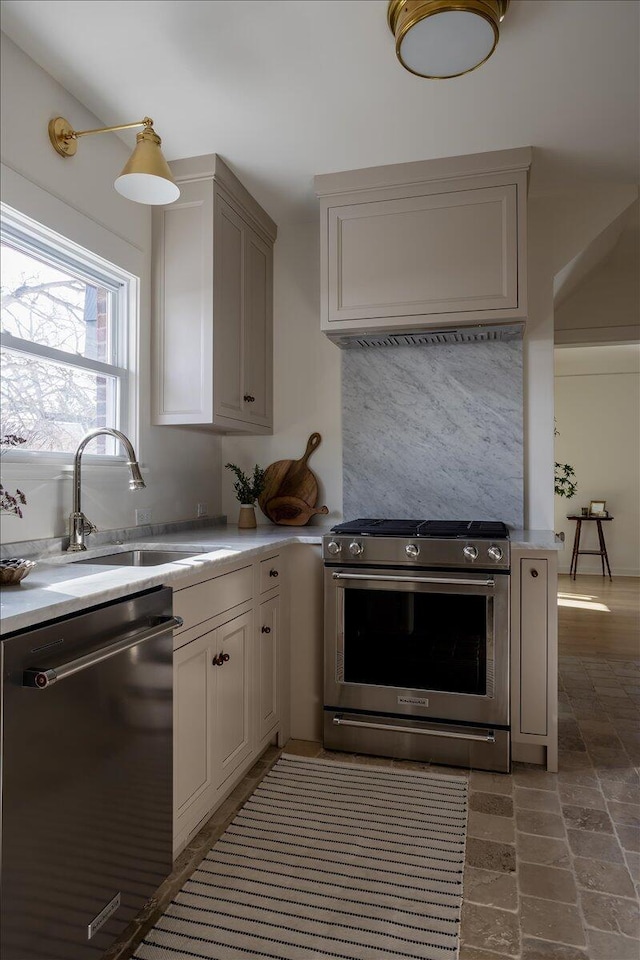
pixel 577 552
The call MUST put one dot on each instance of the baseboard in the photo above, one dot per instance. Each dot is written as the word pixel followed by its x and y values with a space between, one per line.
pixel 597 572
pixel 528 752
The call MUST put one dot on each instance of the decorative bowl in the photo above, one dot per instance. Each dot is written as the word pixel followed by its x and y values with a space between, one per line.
pixel 14 570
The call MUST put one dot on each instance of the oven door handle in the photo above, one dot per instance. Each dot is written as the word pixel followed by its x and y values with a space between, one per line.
pixel 443 580
pixel 489 737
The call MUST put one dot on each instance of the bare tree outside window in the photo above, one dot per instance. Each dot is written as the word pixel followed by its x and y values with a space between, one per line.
pixel 58 344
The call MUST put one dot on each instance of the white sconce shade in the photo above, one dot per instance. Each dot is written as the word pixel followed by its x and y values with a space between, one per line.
pixel 146 177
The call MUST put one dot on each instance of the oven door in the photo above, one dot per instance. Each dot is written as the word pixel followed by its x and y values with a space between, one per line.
pixel 420 643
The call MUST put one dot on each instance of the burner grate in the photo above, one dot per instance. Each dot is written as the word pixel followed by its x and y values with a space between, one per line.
pixel 444 529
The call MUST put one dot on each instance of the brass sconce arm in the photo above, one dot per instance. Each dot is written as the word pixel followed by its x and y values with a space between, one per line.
pixel 63 137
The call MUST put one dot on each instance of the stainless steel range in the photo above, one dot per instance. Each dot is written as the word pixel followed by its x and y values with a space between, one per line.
pixel 417 641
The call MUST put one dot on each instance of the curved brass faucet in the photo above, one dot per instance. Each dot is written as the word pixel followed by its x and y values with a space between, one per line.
pixel 79 525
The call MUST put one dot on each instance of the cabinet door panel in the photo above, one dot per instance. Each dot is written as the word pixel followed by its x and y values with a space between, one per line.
pixel 232 733
pixel 442 253
pixel 228 309
pixel 183 303
pixel 268 666
pixel 533 646
pixel 193 722
pixel 257 334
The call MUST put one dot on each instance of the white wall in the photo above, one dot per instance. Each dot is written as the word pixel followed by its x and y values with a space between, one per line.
pixel 76 198
pixel 598 418
pixel 306 376
pixel 605 307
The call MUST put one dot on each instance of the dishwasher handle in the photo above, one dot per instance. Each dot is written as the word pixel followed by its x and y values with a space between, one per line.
pixel 40 679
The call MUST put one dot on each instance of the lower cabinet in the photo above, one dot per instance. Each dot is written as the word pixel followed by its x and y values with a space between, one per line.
pixel 227 698
pixel 232 742
pixel 193 706
pixel 268 667
pixel 534 657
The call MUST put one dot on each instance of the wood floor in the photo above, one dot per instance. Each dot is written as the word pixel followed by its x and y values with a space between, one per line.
pixel 599 617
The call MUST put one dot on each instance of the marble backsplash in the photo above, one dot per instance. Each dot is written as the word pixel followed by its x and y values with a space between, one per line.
pixel 434 432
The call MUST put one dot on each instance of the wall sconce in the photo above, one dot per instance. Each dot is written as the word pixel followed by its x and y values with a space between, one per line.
pixel 438 39
pixel 146 177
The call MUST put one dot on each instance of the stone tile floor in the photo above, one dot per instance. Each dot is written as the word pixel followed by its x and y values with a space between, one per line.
pixel 552 867
pixel 553 860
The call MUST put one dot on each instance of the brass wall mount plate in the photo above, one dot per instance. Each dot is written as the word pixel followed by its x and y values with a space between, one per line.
pixel 62 136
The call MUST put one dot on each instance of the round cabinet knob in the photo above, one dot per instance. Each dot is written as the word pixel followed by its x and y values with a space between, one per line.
pixel 470 552
pixel 412 550
pixel 333 547
pixel 355 549
pixel 266 629
pixel 495 553
pixel 274 574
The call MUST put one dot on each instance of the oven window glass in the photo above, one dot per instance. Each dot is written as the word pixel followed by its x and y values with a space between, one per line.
pixel 417 641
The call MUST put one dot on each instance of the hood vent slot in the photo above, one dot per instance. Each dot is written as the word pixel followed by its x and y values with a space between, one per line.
pixel 499 332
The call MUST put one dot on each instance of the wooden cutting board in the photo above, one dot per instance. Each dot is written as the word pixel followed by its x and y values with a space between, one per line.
pixel 291 511
pixel 291 478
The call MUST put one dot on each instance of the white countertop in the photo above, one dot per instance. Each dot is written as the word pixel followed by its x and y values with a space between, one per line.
pixel 58 586
pixel 536 540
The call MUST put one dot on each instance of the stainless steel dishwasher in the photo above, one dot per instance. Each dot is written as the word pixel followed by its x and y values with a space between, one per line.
pixel 86 772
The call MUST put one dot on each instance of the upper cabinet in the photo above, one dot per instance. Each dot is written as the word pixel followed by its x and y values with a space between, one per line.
pixel 417 246
pixel 213 303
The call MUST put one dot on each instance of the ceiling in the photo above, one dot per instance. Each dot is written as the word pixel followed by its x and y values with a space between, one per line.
pixel 285 89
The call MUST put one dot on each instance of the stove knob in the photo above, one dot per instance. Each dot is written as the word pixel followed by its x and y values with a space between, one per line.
pixel 412 550
pixel 470 552
pixel 334 547
pixel 495 553
pixel 355 549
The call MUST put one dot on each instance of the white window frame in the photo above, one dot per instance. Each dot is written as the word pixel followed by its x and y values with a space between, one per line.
pixel 32 238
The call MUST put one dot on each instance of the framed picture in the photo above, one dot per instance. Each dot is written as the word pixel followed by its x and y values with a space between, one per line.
pixel 598 508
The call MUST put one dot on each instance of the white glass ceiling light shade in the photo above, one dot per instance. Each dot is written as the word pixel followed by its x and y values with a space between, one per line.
pixel 146 177
pixel 438 39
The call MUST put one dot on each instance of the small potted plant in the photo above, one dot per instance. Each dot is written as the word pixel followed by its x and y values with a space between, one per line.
pixel 247 489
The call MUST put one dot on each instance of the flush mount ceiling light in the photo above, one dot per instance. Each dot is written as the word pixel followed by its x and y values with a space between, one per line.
pixel 146 177
pixel 438 39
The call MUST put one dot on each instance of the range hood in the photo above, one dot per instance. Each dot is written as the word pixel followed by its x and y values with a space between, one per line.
pixel 478 334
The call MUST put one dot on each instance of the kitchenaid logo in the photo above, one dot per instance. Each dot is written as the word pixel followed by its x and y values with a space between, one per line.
pixel 416 701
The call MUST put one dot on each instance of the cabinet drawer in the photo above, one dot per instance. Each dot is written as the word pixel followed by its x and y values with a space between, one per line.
pixel 270 573
pixel 211 598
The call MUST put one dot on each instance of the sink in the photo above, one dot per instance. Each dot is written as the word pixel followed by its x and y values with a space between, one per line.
pixel 138 558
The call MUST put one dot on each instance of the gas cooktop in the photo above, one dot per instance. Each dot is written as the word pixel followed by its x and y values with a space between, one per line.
pixel 441 529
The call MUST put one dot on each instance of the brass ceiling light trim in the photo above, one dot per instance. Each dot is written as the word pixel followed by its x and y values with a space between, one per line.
pixel 445 43
pixel 145 178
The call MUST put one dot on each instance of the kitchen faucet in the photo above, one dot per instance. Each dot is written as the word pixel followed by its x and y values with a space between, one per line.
pixel 79 525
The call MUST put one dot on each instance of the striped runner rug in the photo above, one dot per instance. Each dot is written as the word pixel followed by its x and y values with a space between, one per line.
pixel 327 859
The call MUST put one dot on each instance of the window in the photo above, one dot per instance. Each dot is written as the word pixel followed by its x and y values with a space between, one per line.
pixel 64 343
